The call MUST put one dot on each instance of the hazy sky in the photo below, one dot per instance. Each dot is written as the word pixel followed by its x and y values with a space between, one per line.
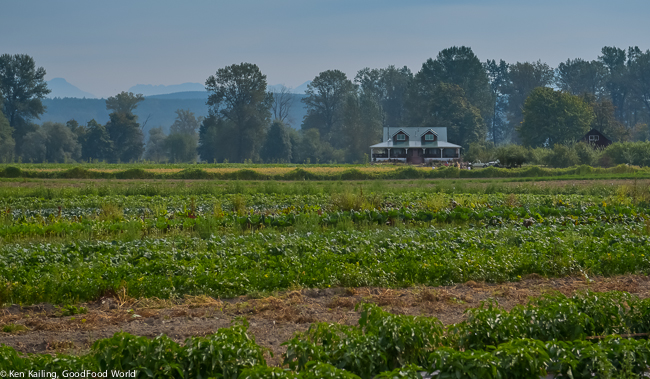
pixel 105 47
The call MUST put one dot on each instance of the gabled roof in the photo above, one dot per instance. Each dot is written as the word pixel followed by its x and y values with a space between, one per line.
pixel 400 130
pixel 415 144
pixel 416 132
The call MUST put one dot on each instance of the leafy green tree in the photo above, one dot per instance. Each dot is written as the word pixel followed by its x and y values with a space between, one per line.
pixel 34 146
pixel 53 142
pixel 453 91
pixel 181 147
pixel 552 117
pixel 498 78
pixel 448 107
pixel 309 148
pixel 458 66
pixel 388 87
pixel 97 144
pixel 562 156
pixel 363 125
pixel 22 87
pixel 238 95
pixel 512 155
pixel 277 147
pixel 326 97
pixel 124 102
pixel 123 127
pixel 617 78
pixel 605 120
pixel 186 123
pixel 156 150
pixel 7 143
pixel 523 79
pixel 217 140
pixel 639 67
pixel 579 77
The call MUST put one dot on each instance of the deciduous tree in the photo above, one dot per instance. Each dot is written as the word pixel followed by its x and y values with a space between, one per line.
pixel 523 79
pixel 123 127
pixel 326 97
pixel 22 87
pixel 238 95
pixel 552 117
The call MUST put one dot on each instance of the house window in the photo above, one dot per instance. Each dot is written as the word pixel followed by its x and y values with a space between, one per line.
pixel 429 137
pixel 593 138
pixel 401 137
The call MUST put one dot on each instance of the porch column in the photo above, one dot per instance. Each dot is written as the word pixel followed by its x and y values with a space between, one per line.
pixel 457 153
pixel 388 153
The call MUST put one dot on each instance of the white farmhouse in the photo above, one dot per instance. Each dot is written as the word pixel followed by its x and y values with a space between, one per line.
pixel 414 145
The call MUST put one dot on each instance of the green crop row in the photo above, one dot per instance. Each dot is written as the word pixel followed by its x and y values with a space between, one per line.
pixel 383 345
pixel 232 265
pixel 383 341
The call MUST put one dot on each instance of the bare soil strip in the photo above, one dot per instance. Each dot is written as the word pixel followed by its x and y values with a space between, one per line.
pixel 274 319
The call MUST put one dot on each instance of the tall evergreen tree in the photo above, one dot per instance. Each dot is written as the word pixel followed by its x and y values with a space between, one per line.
pixel 277 147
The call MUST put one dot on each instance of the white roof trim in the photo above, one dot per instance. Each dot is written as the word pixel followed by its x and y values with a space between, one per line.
pixel 400 130
pixel 429 130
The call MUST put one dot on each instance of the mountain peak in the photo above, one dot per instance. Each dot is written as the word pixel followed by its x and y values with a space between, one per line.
pixel 61 88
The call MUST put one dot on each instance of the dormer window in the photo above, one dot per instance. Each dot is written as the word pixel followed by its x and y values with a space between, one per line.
pixel 429 137
pixel 401 137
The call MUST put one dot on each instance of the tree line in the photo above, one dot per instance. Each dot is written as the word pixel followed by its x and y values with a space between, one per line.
pixel 482 104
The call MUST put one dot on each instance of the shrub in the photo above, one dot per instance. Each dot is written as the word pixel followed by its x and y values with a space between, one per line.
pixel 512 155
pixel 12 172
pixel 562 156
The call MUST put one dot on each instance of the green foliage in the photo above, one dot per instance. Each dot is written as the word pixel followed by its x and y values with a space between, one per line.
pixel 7 143
pixel 12 172
pixel 181 147
pixel 325 100
pixel 562 156
pixel 277 147
pixel 126 136
pixel 512 155
pixel 237 94
pixel 382 342
pixel 156 149
pixel 552 117
pixel 22 87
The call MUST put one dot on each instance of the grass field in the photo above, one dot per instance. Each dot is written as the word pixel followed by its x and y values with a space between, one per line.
pixel 459 263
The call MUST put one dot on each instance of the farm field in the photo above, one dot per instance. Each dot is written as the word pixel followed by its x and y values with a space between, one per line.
pixel 354 277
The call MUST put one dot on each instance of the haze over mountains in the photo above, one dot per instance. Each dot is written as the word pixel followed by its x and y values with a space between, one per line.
pixel 67 102
pixel 61 88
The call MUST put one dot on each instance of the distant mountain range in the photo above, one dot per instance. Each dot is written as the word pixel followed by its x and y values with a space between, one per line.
pixel 156 110
pixel 68 102
pixel 61 88
pixel 152 90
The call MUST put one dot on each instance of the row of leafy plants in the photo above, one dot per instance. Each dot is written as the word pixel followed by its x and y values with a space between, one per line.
pixel 206 225
pixel 382 345
pixel 352 200
pixel 237 264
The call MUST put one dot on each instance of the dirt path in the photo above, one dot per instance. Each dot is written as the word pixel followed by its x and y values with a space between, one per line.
pixel 275 319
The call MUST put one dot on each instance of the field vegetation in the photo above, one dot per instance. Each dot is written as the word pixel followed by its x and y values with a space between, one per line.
pixel 70 244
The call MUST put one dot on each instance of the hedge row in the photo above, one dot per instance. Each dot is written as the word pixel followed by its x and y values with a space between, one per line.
pixel 349 174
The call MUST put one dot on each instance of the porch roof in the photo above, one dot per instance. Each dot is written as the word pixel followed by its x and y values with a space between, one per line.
pixel 415 144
